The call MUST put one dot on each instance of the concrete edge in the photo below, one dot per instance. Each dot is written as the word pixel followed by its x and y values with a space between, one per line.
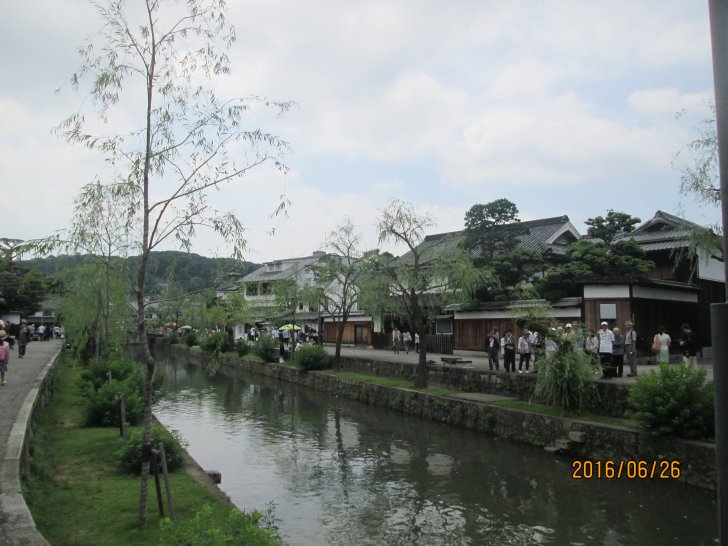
pixel 18 521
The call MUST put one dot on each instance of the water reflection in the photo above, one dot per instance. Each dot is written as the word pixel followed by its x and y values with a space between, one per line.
pixel 342 472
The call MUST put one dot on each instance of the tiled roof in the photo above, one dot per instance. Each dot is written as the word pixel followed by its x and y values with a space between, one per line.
pixel 537 237
pixel 281 269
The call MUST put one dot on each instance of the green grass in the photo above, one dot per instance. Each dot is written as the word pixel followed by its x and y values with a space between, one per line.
pixel 557 412
pixel 391 382
pixel 75 490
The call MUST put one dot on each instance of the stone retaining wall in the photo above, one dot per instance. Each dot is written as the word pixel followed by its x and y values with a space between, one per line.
pixel 602 442
pixel 612 396
pixel 19 524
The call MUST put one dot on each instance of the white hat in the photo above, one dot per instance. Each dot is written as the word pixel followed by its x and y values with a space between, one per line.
pixel 568 325
pixel 605 323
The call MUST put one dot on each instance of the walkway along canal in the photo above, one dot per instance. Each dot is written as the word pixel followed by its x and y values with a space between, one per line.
pixel 343 472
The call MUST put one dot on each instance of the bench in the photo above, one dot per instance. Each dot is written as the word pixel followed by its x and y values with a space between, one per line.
pixel 454 360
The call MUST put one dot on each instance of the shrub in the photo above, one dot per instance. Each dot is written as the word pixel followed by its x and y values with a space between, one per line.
pixel 130 454
pixel 267 349
pixel 676 401
pixel 102 409
pixel 311 357
pixel 120 368
pixel 242 347
pixel 566 379
pixel 191 339
pixel 217 342
pixel 204 529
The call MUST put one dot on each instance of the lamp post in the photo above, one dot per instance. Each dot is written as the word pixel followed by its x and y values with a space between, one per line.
pixel 718 10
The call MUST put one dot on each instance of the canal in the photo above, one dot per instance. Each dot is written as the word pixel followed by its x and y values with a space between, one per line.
pixel 341 472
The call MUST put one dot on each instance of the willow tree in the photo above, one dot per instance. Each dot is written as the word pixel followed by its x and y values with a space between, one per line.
pixel 168 136
pixel 433 273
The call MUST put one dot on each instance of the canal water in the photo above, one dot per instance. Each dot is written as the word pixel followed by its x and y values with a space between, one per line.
pixel 341 472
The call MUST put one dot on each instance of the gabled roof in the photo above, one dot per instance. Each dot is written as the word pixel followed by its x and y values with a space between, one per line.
pixel 663 231
pixel 547 235
pixel 282 269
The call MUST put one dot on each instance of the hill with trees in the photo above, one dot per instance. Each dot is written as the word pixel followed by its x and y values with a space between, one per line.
pixel 187 270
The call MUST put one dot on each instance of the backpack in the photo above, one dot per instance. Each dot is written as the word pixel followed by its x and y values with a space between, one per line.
pixel 3 351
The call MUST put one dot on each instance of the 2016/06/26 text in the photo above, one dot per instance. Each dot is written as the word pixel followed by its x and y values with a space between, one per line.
pixel 633 470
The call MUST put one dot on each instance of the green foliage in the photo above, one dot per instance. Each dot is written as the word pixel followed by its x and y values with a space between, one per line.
pixel 120 368
pixel 311 357
pixel 594 261
pixel 191 339
pixel 22 289
pixel 677 401
pixel 566 377
pixel 130 454
pixel 615 224
pixel 242 347
pixel 205 530
pixel 217 342
pixel 491 229
pixel 267 349
pixel 94 308
pixel 102 409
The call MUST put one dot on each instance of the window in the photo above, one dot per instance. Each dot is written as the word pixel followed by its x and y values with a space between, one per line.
pixel 265 289
pixel 300 307
pixel 251 289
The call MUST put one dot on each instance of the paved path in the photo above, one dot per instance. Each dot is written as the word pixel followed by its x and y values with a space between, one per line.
pixel 16 527
pixel 479 360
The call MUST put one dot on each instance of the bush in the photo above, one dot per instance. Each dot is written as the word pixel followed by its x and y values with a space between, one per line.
pixel 566 379
pixel 311 357
pixel 267 349
pixel 676 401
pixel 120 368
pixel 130 454
pixel 217 342
pixel 242 347
pixel 191 339
pixel 203 530
pixel 102 409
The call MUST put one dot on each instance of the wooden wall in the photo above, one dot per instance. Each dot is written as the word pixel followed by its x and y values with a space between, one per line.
pixel 330 331
pixel 470 334
pixel 592 318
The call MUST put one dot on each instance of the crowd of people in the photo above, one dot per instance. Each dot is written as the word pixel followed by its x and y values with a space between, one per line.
pixel 22 334
pixel 613 349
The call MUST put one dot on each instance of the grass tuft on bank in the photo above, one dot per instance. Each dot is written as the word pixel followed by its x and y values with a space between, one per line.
pixel 568 414
pixel 391 382
pixel 78 494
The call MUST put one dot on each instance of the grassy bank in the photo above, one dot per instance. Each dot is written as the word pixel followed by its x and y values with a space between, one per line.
pixel 391 382
pixel 76 491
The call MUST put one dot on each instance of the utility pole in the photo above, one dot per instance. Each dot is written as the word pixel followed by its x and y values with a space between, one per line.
pixel 719 311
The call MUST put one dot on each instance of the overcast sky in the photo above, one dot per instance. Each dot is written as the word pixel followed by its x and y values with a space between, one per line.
pixel 562 106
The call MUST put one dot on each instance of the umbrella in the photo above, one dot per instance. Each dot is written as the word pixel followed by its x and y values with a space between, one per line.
pixel 289 327
pixel 186 327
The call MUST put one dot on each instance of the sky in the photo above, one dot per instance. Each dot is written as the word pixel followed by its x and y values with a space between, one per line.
pixel 565 107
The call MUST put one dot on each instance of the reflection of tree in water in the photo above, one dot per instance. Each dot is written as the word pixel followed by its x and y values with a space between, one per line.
pixel 381 477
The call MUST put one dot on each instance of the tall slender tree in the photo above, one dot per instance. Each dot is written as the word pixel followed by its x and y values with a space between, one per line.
pixel 335 279
pixel 168 137
pixel 416 285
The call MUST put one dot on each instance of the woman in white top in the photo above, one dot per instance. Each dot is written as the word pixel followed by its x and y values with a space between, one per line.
pixel 663 355
pixel 606 341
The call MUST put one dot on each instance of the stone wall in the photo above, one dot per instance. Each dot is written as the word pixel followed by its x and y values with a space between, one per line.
pixel 601 442
pixel 612 399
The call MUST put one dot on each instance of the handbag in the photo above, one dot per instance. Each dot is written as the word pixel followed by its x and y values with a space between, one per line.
pixel 656 345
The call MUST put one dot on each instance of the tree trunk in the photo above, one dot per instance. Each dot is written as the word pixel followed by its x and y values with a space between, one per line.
pixel 339 339
pixel 421 378
pixel 147 423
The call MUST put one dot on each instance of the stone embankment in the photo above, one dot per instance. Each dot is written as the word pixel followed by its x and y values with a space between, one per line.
pixel 581 439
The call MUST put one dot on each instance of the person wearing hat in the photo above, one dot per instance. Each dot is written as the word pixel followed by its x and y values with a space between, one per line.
pixel 606 346
pixel 4 356
pixel 524 349
pixel 23 338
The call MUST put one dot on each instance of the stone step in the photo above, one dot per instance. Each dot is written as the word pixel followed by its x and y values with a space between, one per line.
pixel 577 436
pixel 552 449
pixel 564 444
